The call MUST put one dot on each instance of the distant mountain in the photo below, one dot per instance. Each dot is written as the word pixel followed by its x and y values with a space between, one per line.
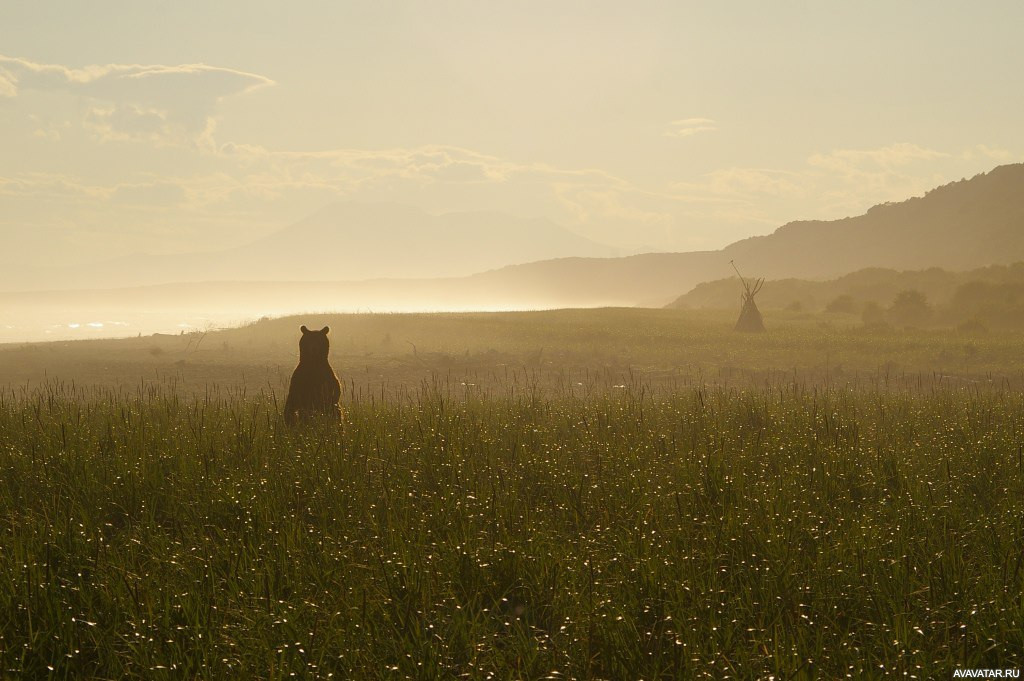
pixel 348 241
pixel 353 241
pixel 960 226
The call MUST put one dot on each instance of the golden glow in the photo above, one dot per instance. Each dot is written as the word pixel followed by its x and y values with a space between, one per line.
pixel 178 128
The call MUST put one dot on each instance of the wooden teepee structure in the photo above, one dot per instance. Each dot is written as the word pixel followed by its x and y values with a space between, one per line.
pixel 750 320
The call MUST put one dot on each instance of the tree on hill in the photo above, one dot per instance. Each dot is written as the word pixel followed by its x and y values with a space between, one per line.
pixel 995 305
pixel 844 304
pixel 910 308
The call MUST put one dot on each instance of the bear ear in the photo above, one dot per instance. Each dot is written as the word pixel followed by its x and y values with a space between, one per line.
pixel 304 329
pixel 326 330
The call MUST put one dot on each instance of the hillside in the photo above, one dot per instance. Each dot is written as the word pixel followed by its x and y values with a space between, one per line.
pixel 874 285
pixel 974 301
pixel 961 226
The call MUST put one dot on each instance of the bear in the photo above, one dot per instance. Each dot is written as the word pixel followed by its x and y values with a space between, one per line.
pixel 314 388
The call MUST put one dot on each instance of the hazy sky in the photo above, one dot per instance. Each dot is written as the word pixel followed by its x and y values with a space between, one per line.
pixel 152 126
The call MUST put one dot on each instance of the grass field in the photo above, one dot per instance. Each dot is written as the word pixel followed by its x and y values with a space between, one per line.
pixel 818 503
pixel 663 347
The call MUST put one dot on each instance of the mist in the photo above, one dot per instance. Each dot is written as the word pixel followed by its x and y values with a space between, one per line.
pixel 576 340
pixel 438 263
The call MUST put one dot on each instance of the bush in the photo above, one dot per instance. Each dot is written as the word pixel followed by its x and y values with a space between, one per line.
pixel 910 308
pixel 972 326
pixel 844 304
pixel 872 314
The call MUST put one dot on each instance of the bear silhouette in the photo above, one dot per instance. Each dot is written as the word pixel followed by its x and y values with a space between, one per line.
pixel 314 388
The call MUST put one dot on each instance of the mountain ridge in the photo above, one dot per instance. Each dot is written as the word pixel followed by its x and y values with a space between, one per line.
pixel 959 226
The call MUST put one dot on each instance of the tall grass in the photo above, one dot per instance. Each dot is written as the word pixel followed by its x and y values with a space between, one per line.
pixel 448 532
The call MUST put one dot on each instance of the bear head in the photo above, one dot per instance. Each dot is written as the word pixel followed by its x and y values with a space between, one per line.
pixel 313 345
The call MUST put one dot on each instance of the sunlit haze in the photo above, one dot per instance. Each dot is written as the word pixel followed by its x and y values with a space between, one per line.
pixel 679 126
pixel 532 339
pixel 169 128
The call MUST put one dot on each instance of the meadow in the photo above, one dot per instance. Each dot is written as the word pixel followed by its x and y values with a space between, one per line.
pixel 594 495
pixel 666 348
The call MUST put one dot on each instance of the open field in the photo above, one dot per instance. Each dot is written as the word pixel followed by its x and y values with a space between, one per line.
pixel 665 348
pixel 574 494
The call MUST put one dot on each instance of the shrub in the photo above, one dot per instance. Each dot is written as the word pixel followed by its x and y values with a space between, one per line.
pixel 844 304
pixel 872 314
pixel 910 308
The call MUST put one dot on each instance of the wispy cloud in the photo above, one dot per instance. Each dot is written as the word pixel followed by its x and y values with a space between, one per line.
pixel 426 164
pixel 983 151
pixel 747 184
pixel 237 188
pixel 27 74
pixel 8 85
pixel 685 127
pixel 151 103
pixel 891 156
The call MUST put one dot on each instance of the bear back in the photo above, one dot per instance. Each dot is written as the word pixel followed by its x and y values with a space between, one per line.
pixel 314 389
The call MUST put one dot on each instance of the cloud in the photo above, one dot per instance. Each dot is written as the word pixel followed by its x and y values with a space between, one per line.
pixel 685 127
pixel 731 203
pixel 846 182
pixel 8 86
pixel 136 101
pixel 892 156
pixel 149 194
pixel 63 188
pixel 129 122
pixel 245 187
pixel 115 79
pixel 50 135
pixel 716 208
pixel 747 184
pixel 983 151
pixel 423 165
